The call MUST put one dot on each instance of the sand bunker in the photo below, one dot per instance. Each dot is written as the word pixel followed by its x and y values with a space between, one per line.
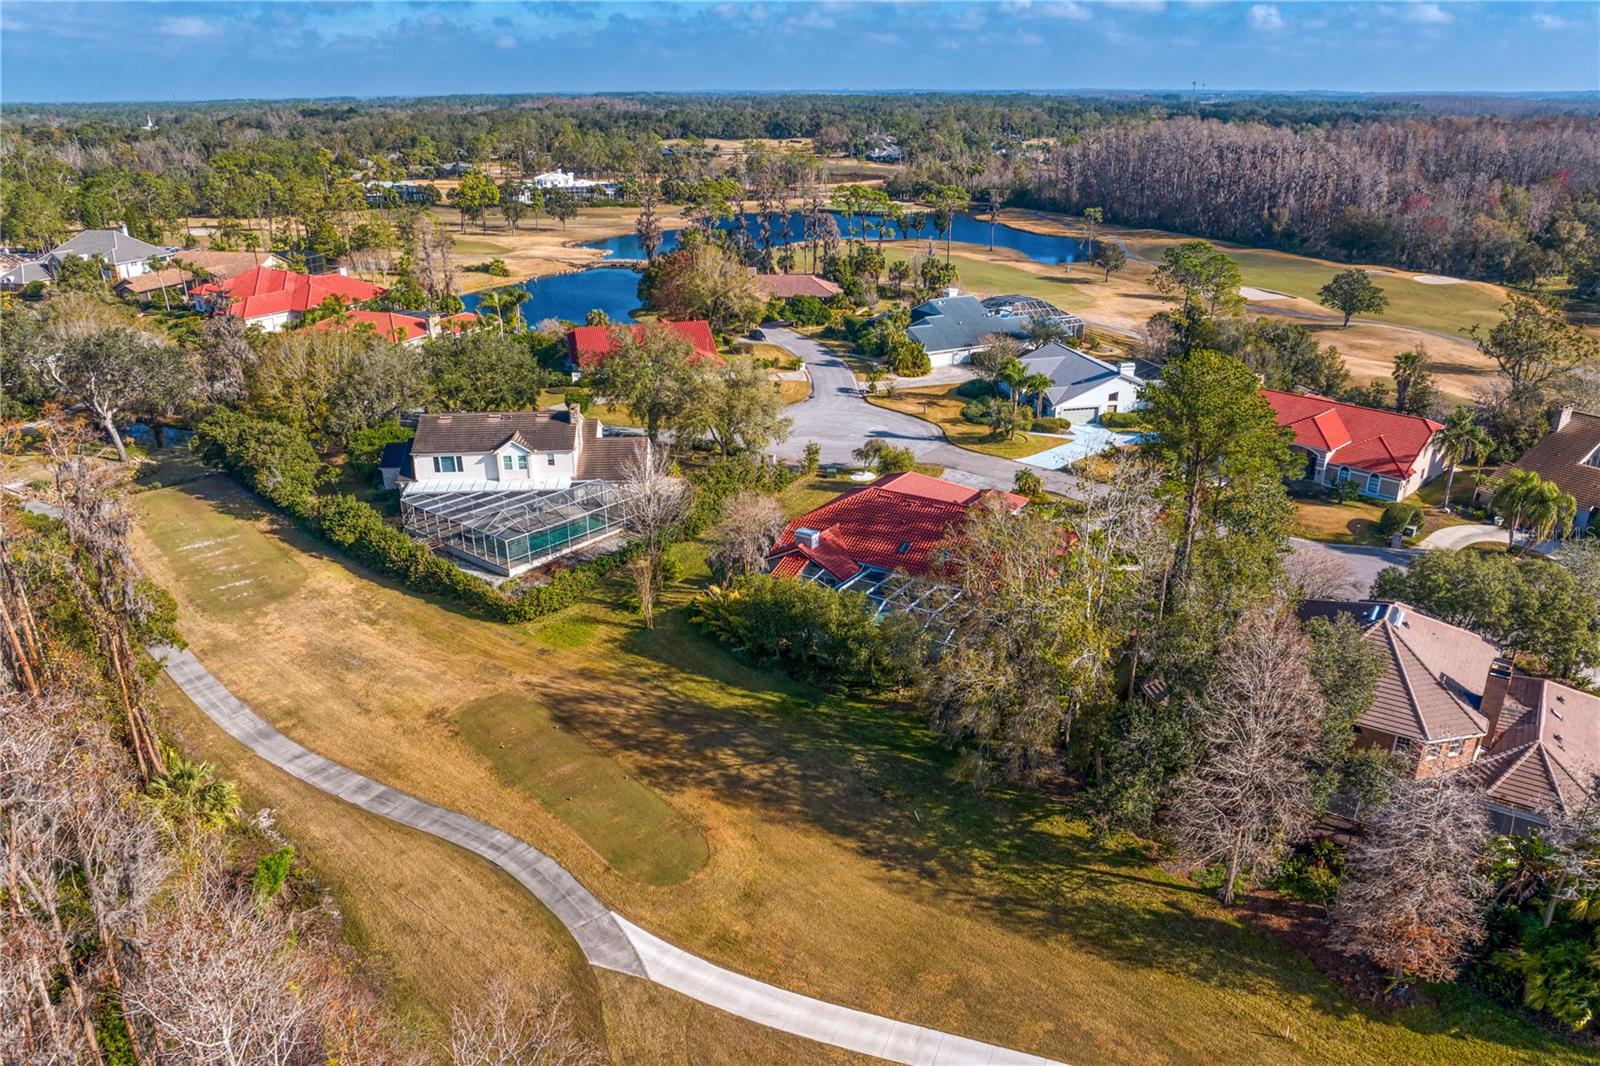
pixel 1437 279
pixel 1250 292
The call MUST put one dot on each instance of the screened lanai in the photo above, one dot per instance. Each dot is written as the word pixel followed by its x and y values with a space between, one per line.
pixel 936 607
pixel 508 532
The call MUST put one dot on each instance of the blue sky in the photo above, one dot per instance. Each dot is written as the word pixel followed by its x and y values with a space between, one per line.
pixel 62 51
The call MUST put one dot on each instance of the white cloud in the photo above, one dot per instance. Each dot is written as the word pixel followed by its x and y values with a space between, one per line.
pixel 189 26
pixel 1061 9
pixel 505 41
pixel 1066 10
pixel 1429 14
pixel 1265 17
pixel 1550 22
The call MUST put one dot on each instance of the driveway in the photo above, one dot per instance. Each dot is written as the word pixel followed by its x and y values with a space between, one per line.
pixel 1360 562
pixel 840 420
pixel 1454 537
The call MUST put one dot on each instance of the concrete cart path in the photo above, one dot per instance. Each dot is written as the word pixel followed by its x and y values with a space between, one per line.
pixel 607 939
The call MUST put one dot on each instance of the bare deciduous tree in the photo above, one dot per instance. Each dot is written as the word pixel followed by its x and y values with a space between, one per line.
pixel 1413 894
pixel 509 1026
pixel 654 503
pixel 750 524
pixel 1315 573
pixel 1250 796
pixel 222 984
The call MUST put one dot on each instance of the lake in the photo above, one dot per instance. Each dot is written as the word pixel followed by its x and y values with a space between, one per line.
pixel 570 297
pixel 965 229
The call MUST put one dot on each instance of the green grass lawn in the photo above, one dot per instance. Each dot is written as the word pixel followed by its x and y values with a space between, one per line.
pixel 989 278
pixel 846 857
pixel 478 246
pixel 940 405
pixel 1450 308
pixel 636 831
pixel 1356 521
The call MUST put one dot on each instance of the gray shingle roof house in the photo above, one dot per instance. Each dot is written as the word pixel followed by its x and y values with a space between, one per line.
pixel 15 277
pixel 1085 387
pixel 114 246
pixel 126 256
pixel 951 328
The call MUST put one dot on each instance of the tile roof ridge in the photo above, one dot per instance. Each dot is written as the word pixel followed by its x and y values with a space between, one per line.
pixel 1514 758
pixel 1547 763
pixel 1395 646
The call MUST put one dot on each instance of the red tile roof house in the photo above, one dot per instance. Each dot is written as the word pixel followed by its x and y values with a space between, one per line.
pixel 402 328
pixel 273 299
pixel 788 286
pixel 1388 455
pixel 1449 702
pixel 587 346
pixel 895 525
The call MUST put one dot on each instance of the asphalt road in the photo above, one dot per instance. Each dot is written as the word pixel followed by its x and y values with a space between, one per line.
pixel 1360 562
pixel 839 419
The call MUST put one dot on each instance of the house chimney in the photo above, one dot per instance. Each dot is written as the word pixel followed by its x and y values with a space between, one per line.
pixel 1127 368
pixel 124 229
pixel 1559 420
pixel 432 319
pixel 1495 688
pixel 809 537
pixel 951 290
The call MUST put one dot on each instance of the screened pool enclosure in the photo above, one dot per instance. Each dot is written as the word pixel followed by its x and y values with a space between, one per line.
pixel 509 532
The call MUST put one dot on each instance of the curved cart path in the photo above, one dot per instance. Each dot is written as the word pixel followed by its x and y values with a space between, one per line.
pixel 608 940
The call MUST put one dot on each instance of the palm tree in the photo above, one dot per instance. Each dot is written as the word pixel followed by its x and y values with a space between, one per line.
pixel 1461 440
pixel 1038 385
pixel 1511 498
pixel 1549 512
pixel 1012 374
pixel 155 266
pixel 1528 499
pixel 1409 367
pixel 190 793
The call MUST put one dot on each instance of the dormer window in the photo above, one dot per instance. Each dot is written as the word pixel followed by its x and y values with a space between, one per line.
pixel 1593 459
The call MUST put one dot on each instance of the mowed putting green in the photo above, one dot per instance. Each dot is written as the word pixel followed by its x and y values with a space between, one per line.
pixel 225 566
pixel 637 832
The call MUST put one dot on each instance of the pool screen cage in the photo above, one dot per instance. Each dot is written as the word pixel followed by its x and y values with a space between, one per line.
pixel 936 608
pixel 509 532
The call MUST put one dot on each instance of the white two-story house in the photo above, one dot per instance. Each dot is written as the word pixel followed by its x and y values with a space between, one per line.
pixel 508 491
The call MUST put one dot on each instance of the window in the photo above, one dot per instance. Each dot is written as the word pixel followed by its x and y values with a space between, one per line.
pixel 448 464
pixel 550 459
pixel 1431 752
pixel 1344 473
pixel 1112 398
pixel 505 461
pixel 1454 750
pixel 522 462
pixel 1374 483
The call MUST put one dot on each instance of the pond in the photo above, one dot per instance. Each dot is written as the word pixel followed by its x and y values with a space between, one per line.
pixel 570 297
pixel 965 229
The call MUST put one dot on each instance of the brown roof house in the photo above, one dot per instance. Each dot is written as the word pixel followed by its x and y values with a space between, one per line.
pixel 1569 455
pixel 509 491
pixel 1450 703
